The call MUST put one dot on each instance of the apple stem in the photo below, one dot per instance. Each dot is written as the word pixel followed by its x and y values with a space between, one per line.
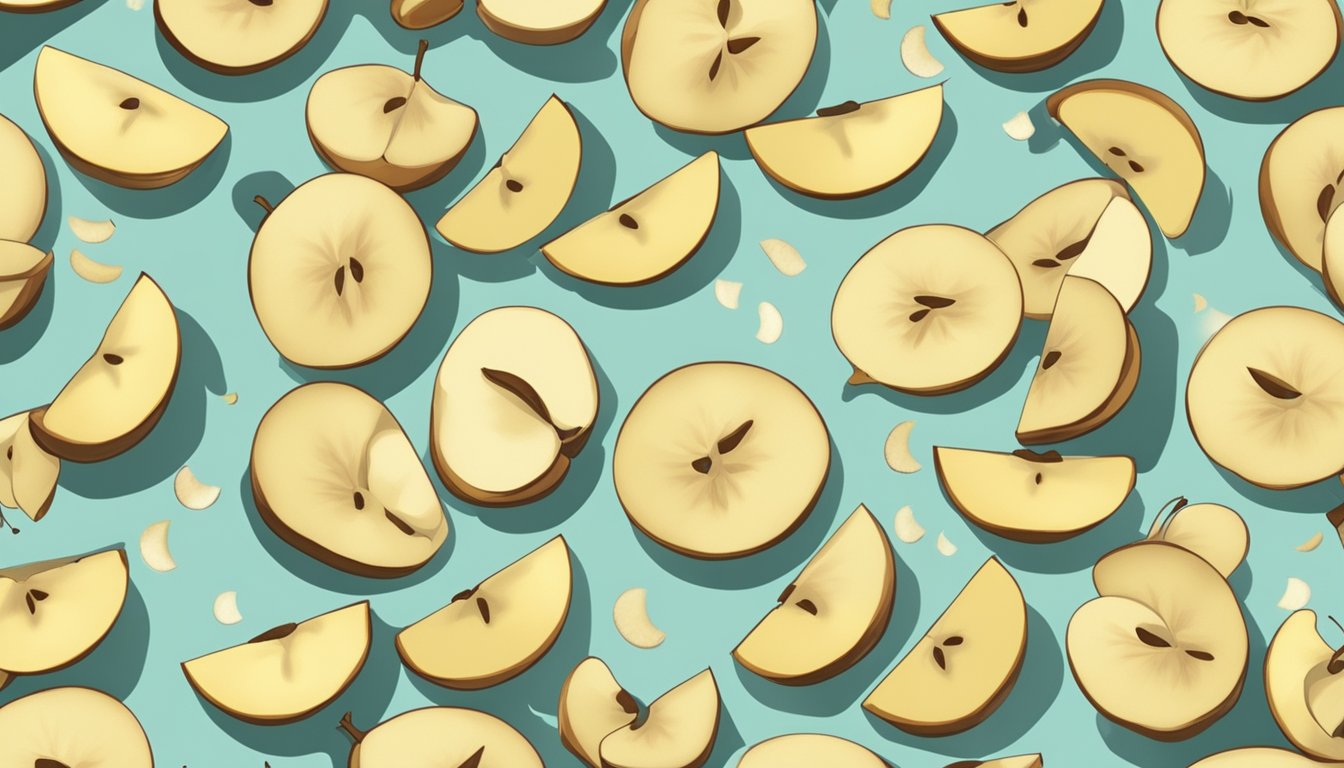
pixel 1166 512
pixel 264 203
pixel 348 725
pixel 420 58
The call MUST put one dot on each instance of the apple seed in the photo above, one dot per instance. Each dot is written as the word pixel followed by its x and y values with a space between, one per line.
pixel 1273 385
pixel 1149 638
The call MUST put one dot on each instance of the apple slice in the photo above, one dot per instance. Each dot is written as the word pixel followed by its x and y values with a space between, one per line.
pixel 54 613
pixel 678 730
pixel 1163 650
pixel 23 273
pixel 539 22
pixel 832 614
pixel 334 475
pixel 525 191
pixel 1020 36
pixel 34 6
pixel 1143 137
pixel 1017 761
pixel 287 673
pixel 118 129
pixel 514 402
pixel 720 460
pixel 647 236
pixel 1030 496
pixel 1119 253
pixel 238 37
pixel 592 706
pixel 1302 182
pixel 118 395
pixel 1212 531
pixel 1265 397
pixel 851 149
pixel 498 629
pixel 423 14
pixel 28 474
pixel 1088 367
pixel 716 67
pixel 23 198
pixel 452 737
pixel 809 750
pixel 1258 757
pixel 1332 257
pixel 1305 687
pixel 931 309
pixel 72 727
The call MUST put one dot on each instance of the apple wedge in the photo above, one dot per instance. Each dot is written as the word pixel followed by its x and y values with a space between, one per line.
pixel 238 37
pixel 1304 682
pixel 1088 366
pixel 1212 531
pixel 678 731
pixel 1302 182
pixel 23 198
pixel 851 149
pixel 34 6
pixel 964 666
pixel 1145 138
pixel 1258 757
pixel 440 736
pixel 71 727
pixel 809 750
pixel 423 14
pixel 592 706
pixel 28 474
pixel 1119 254
pixel 1020 36
pixel 539 22
pixel 23 273
pixel 647 236
pixel 334 475
pixel 832 614
pixel 1332 257
pixel 118 129
pixel 1030 496
pixel 498 629
pixel 289 672
pixel 120 393
pixel 525 191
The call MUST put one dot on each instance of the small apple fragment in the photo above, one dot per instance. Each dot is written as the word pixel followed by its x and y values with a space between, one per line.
pixel 1019 127
pixel 1258 757
pixel 23 273
pixel 28 474
pixel 906 527
pixel 226 608
pixel 678 730
pixel 93 271
pixel 592 706
pixel 154 547
pixel 238 37
pixel 945 546
pixel 1305 688
pixel 539 22
pixel 771 323
pixel 1302 183
pixel 1312 543
pixel 1296 595
pixel 728 293
pixel 423 14
pixel 1214 532
pixel 631 616
pixel 896 449
pixel 23 198
pixel 1020 36
pixel 809 750
pixel 91 231
pixel 915 54
pixel 72 727
pixel 454 737
pixel 784 257
pixel 192 493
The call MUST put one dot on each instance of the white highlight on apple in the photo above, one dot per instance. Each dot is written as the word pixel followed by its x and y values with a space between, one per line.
pixel 908 529
pixel 772 324
pixel 1296 595
pixel 93 271
pixel 946 548
pixel 226 608
pixel 631 615
pixel 784 256
pixel 728 293
pixel 897 449
pixel 154 547
pixel 1213 322
pixel 1019 127
pixel 192 493
pixel 915 54
pixel 91 231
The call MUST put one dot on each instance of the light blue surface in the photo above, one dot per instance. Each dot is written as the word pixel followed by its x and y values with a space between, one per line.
pixel 194 239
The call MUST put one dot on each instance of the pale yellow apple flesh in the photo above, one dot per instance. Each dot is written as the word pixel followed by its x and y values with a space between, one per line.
pixel 539 22
pixel 809 750
pixel 1305 686
pixel 23 198
pixel 72 727
pixel 964 666
pixel 34 6
pixel 851 149
pixel 55 612
pixel 423 14
pixel 1021 36
pixel 1302 182
pixel 28 474
pixel 23 273
pixel 1017 761
pixel 1258 757
pixel 1332 257
pixel 496 630
pixel 525 191
pixel 647 236
pixel 678 731
pixel 237 37
pixel 440 737
pixel 719 460
pixel 1212 531
pixel 1119 254
pixel 592 706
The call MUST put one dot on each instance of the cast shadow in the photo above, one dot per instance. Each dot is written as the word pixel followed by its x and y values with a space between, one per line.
pixel 582 60
pixel 727 741
pixel 1315 499
pixel 1311 276
pixel 1078 553
pixel 171 443
pixel 22 32
pixel 1098 50
pixel 1321 92
pixel 165 201
pixel 1213 218
pixel 431 201
pixel 52 220
pixel 18 339
pixel 270 185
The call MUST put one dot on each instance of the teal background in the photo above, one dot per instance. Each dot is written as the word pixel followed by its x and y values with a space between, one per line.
pixel 194 239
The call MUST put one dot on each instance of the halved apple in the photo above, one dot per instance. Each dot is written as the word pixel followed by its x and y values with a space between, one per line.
pixel 965 665
pixel 28 474
pixel 832 614
pixel 1302 182
pixel 1212 531
pixel 592 706
pixel 851 149
pixel 1030 496
pixel 71 727
pixel 23 273
pixel 423 14
pixel 23 198
pixel 809 750
pixel 237 37
pixel 440 736
pixel 647 236
pixel 118 395
pixel 678 731
pixel 1258 757
pixel 118 129
pixel 1304 682
pixel 539 22
pixel 289 672
pixel 497 629
pixel 1020 36
pixel 1145 138
pixel 334 475
pixel 525 191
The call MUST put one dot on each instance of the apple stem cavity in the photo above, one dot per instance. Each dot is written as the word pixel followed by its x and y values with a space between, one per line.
pixel 1273 385
pixel 264 203
pixel 842 108
pixel 419 57
pixel 348 725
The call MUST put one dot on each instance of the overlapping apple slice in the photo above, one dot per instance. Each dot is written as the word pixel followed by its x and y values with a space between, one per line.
pixel 1143 137
pixel 1332 257
pixel 1212 531
pixel 23 273
pixel 423 14
pixel 1016 761
pixel 677 731
pixel 237 37
pixel 592 706
pixel 809 750
pixel 28 474
pixel 1258 757
pixel 23 198
pixel 120 393
pixel 72 727
pixel 1302 182
pixel 832 614
pixel 118 129
pixel 964 666
pixel 539 22
pixel 1304 682
pixel 851 149
pixel 646 236
pixel 440 736
pixel 1022 35
pixel 497 629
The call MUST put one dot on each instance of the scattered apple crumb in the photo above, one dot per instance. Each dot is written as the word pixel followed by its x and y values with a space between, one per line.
pixel 1312 543
pixel 226 608
pixel 915 54
pixel 908 529
pixel 728 293
pixel 154 547
pixel 135 5
pixel 631 616
pixel 772 324
pixel 91 231
pixel 882 9
pixel 93 271
pixel 1201 303
pixel 192 493
pixel 1019 127
pixel 945 547
pixel 897 449
pixel 229 398
pixel 784 256
pixel 1296 595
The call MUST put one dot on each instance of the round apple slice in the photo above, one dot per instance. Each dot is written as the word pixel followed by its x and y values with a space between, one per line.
pixel 1304 682
pixel 678 731
pixel 539 22
pixel 809 750
pixel 23 273
pixel 647 236
pixel 238 37
pixel 832 614
pixel 72 727
pixel 929 310
pixel 1258 757
pixel 289 672
pixel 1145 138
pixel 339 272
pixel 1265 397
pixel 440 736
pixel 720 460
pixel 1030 496
pixel 964 666
pixel 23 198
pixel 1302 182
pixel 120 393
pixel 28 474
pixel 525 191
pixel 716 67
pixel 1212 531
pixel 1020 36
pixel 334 475
pixel 1163 650
pixel 592 706
pixel 1227 45
pixel 851 149
pixel 497 629
pixel 423 14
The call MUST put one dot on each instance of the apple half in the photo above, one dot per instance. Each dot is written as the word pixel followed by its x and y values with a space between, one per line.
pixel 677 731
pixel 452 737
pixel 23 273
pixel 23 198
pixel 72 727
pixel 117 128
pixel 289 672
pixel 28 474
pixel 1258 757
pixel 1212 531
pixel 851 149
pixel 592 706
pixel 1021 35
pixel 498 629
pixel 1302 182
pixel 809 750
pixel 336 477
pixel 238 37
pixel 120 393
pixel 539 22
pixel 964 666
pixel 1145 138
pixel 1030 496
pixel 1304 682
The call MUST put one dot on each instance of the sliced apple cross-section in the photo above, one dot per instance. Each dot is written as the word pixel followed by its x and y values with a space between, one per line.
pixel 23 273
pixel 677 731
pixel 1259 757
pixel 1304 682
pixel 1332 259
pixel 809 750
pixel 23 198
pixel 451 737
pixel 28 474
pixel 592 706
pixel 238 37
pixel 1302 182
pixel 1212 531
pixel 539 22
pixel 72 727
pixel 1020 35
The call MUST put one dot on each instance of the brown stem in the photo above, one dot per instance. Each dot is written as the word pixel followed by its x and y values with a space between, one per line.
pixel 264 203
pixel 842 108
pixel 348 726
pixel 419 58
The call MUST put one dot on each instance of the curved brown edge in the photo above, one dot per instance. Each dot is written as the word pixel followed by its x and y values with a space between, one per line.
pixel 46 188
pixel 881 760
pixel 34 281
pixel 803 514
pixel 1269 208
pixel 567 738
pixel 562 34
pixel 392 9
pixel 354 763
pixel 1043 60
pixel 1274 712
pixel 350 677
pixel 55 5
pixel 1204 760
pixel 703 757
pixel 524 664
pixel 221 69
pixel 149 748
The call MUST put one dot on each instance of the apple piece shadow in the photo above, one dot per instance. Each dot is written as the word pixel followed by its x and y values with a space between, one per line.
pixel 22 32
pixel 164 201
pixel 170 444
pixel 1312 277
pixel 1098 50
pixel 1316 499
pixel 18 339
pixel 270 185
pixel 1321 92
pixel 831 697
pixel 585 59
pixel 1070 555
